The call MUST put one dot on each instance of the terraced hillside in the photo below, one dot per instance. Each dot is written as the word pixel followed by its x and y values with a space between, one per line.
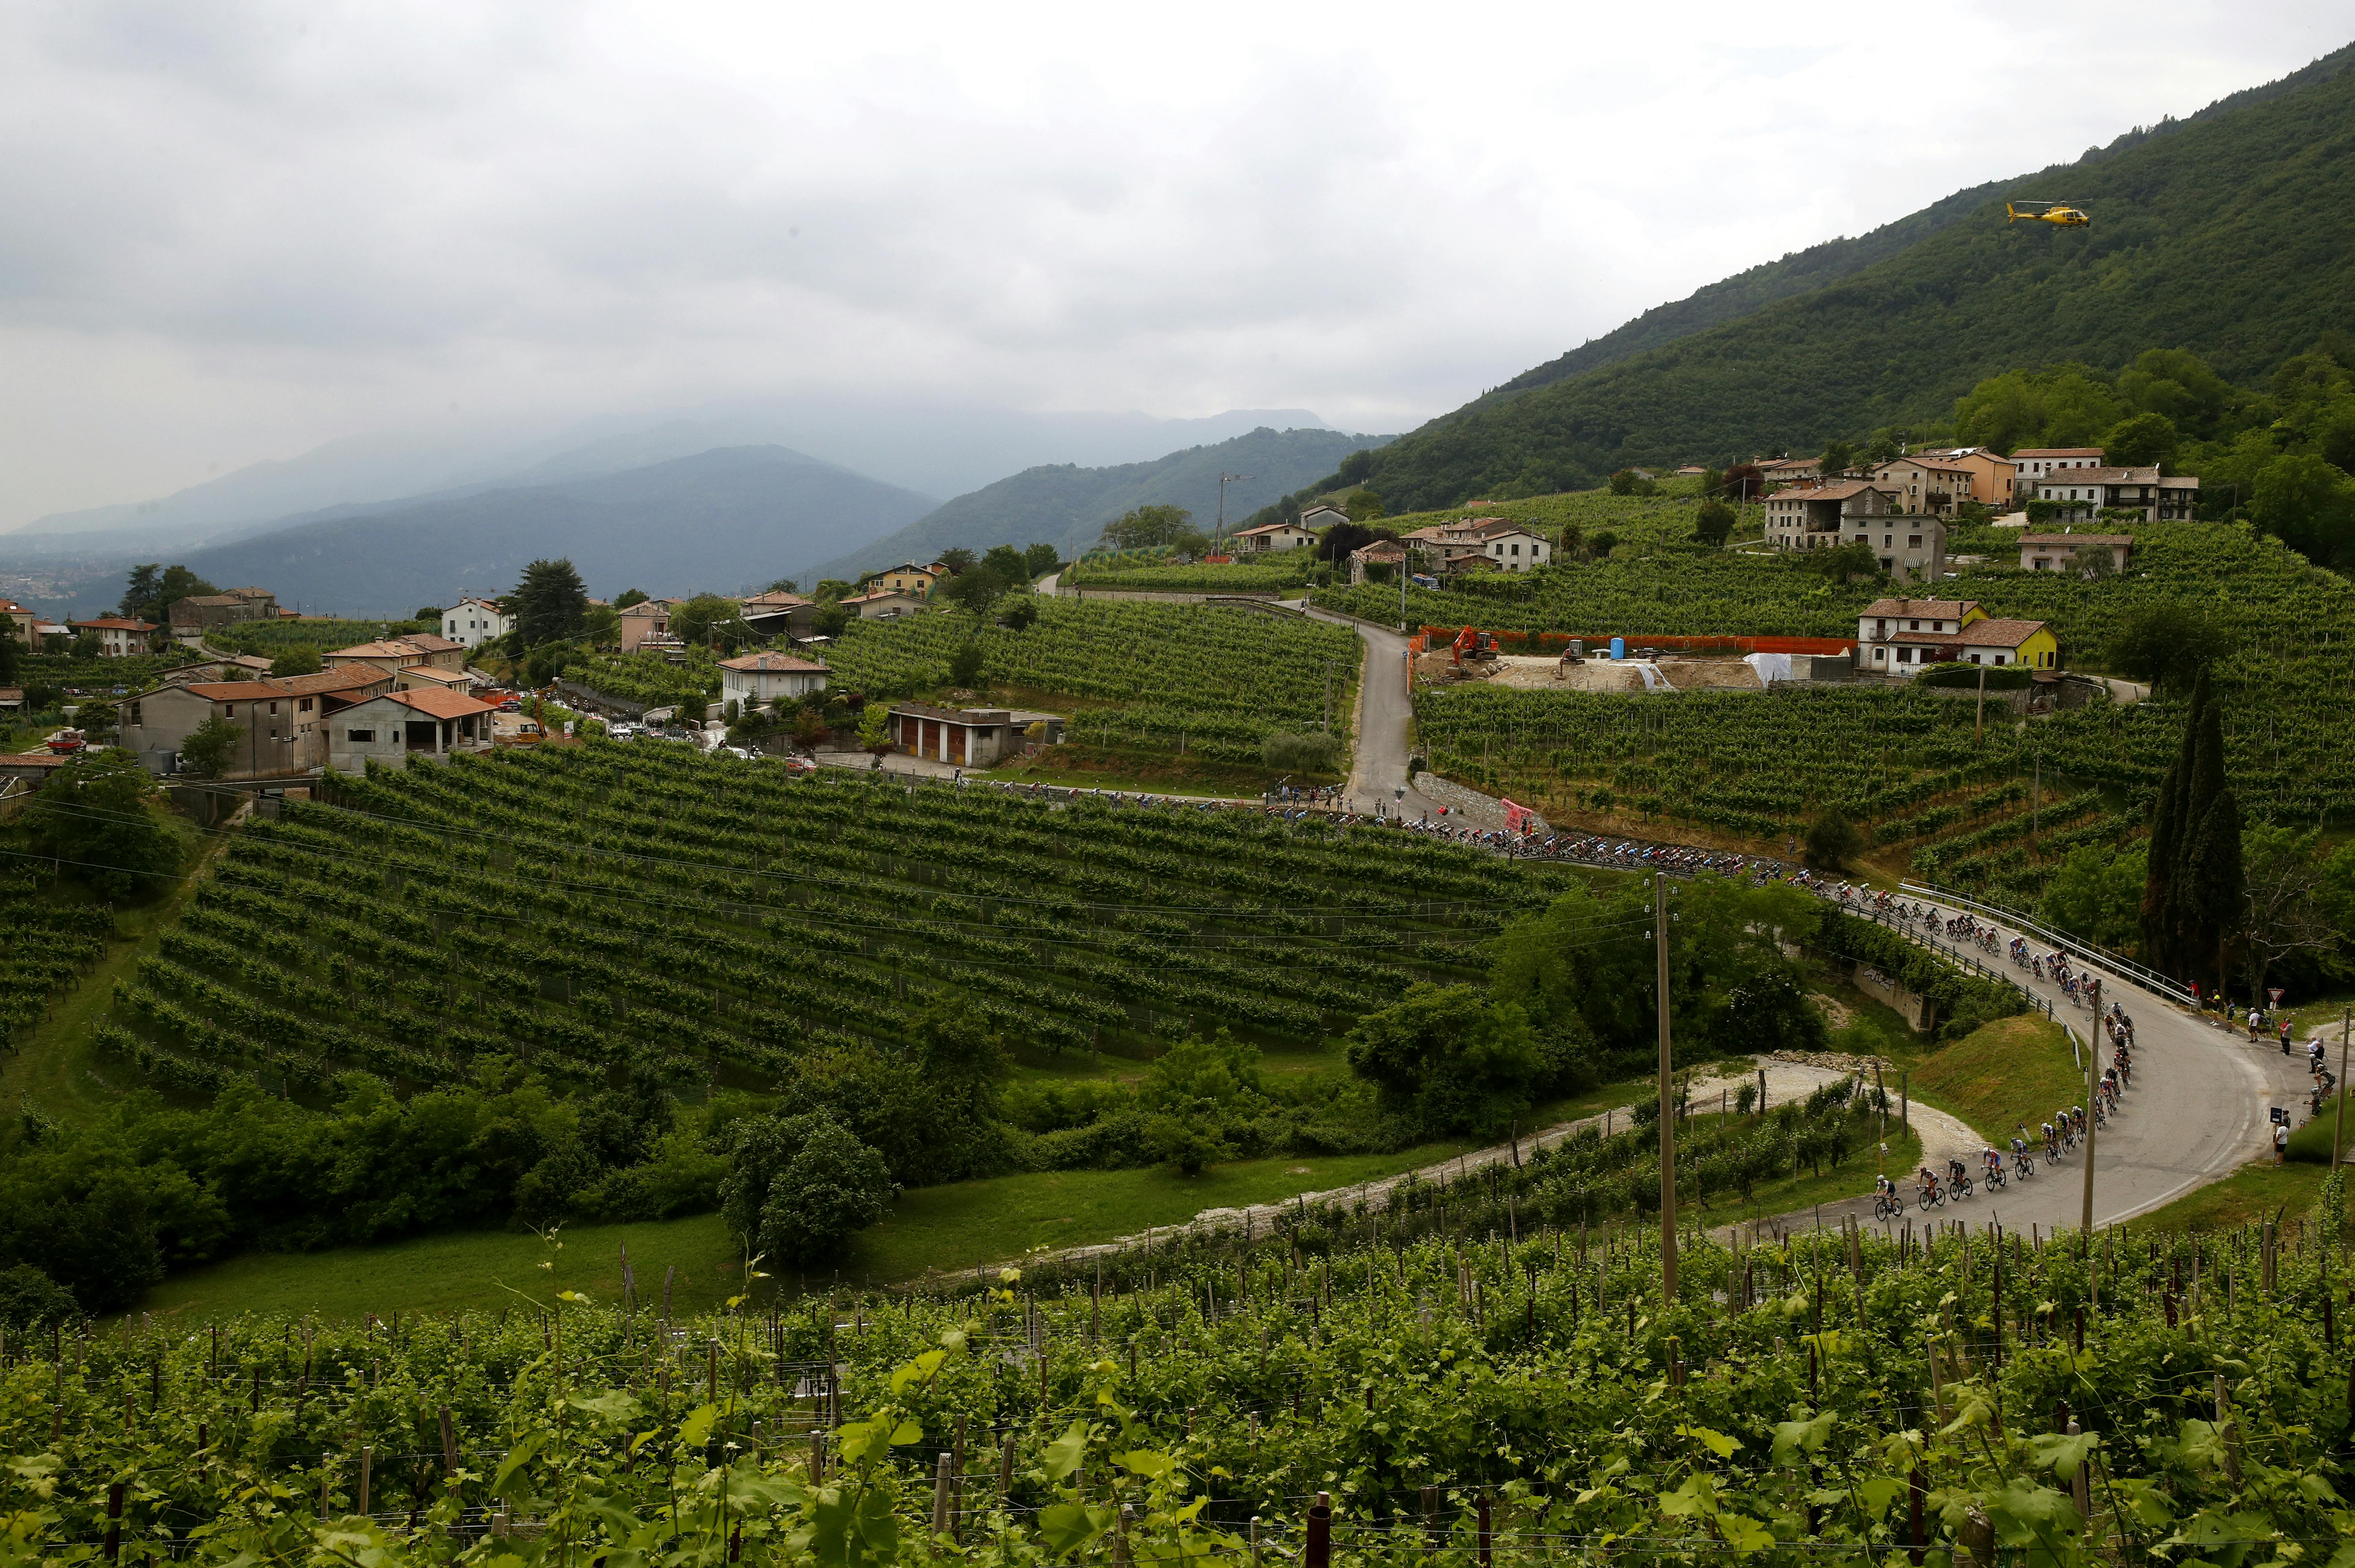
pixel 1908 764
pixel 1145 674
pixel 585 905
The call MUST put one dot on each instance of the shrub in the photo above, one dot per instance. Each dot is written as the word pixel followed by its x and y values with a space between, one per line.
pixel 801 1186
pixel 1311 753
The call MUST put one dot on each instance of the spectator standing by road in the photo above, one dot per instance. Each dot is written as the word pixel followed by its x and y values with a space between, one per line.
pixel 2280 1141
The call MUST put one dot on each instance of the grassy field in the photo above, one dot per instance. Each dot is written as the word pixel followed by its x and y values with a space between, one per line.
pixel 54 1066
pixel 2253 1193
pixel 930 1228
pixel 2012 1071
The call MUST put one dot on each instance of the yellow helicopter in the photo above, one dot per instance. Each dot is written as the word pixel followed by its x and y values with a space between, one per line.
pixel 2061 213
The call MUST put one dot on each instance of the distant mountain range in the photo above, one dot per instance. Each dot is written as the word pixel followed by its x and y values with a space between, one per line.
pixel 2226 233
pixel 1067 506
pixel 726 519
pixel 931 448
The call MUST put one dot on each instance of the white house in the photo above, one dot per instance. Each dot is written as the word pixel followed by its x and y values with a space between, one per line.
pixel 397 725
pixel 1322 515
pixel 2035 463
pixel 471 622
pixel 117 638
pixel 1269 536
pixel 1511 548
pixel 2057 552
pixel 883 603
pixel 756 679
pixel 2085 494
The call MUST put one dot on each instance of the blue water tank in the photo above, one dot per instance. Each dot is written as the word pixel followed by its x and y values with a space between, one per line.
pixel 1618 648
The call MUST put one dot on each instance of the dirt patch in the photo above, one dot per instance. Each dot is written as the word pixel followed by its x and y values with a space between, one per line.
pixel 1612 675
pixel 1836 1012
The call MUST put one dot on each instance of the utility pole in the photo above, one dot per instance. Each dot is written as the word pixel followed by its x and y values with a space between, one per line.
pixel 1668 1132
pixel 2092 1084
pixel 2339 1126
pixel 1224 479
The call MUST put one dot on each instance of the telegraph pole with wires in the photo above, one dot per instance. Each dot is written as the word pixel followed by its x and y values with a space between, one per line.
pixel 1225 479
pixel 1667 1127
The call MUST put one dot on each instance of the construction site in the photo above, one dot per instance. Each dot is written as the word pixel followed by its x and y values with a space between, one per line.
pixel 1614 665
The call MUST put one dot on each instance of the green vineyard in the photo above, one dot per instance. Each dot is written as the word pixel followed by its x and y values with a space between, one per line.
pixel 1903 763
pixel 582 906
pixel 1217 681
pixel 1761 767
pixel 48 945
pixel 1445 1381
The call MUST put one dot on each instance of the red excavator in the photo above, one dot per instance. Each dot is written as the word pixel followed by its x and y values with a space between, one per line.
pixel 1471 643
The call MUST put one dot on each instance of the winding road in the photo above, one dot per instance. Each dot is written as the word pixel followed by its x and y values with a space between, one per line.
pixel 2197 1110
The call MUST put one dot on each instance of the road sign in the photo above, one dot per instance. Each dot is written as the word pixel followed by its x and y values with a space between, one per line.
pixel 2280 1116
pixel 2276 992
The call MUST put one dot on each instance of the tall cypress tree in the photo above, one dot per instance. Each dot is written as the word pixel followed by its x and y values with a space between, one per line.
pixel 2200 919
pixel 2171 829
pixel 2216 888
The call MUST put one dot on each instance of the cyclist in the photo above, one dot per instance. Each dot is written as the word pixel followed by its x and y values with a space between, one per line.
pixel 2051 1142
pixel 1955 1176
pixel 1925 1187
pixel 1884 1195
pixel 1990 1159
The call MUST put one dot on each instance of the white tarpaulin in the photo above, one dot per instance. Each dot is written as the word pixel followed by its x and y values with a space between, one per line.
pixel 1653 679
pixel 1769 667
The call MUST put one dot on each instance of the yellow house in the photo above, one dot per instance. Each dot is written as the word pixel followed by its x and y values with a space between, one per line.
pixel 908 577
pixel 1903 636
pixel 2028 642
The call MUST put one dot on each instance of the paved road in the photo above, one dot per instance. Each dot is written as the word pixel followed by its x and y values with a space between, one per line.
pixel 2195 1113
pixel 1385 724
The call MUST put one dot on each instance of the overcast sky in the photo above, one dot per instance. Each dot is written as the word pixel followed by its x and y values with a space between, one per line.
pixel 232 230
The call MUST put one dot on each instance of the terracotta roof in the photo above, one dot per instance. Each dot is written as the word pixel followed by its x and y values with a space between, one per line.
pixel 1380 550
pixel 773 664
pixel 430 673
pixel 1920 608
pixel 113 623
pixel 438 704
pixel 2144 475
pixel 2055 451
pixel 249 593
pixel 1840 490
pixel 648 607
pixel 1998 633
pixel 433 642
pixel 342 678
pixel 2179 481
pixel 2076 538
pixel 776 599
pixel 878 593
pixel 1266 528
pixel 222 600
pixel 385 650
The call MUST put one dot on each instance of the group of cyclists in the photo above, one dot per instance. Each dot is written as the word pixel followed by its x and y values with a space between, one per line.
pixel 2060 1135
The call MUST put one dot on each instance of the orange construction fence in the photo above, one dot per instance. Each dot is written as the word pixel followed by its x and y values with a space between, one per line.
pixel 1555 642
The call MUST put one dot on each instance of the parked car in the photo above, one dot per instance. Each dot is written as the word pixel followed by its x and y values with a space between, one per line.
pixel 511 706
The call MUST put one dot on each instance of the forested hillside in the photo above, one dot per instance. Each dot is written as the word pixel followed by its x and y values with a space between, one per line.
pixel 2224 235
